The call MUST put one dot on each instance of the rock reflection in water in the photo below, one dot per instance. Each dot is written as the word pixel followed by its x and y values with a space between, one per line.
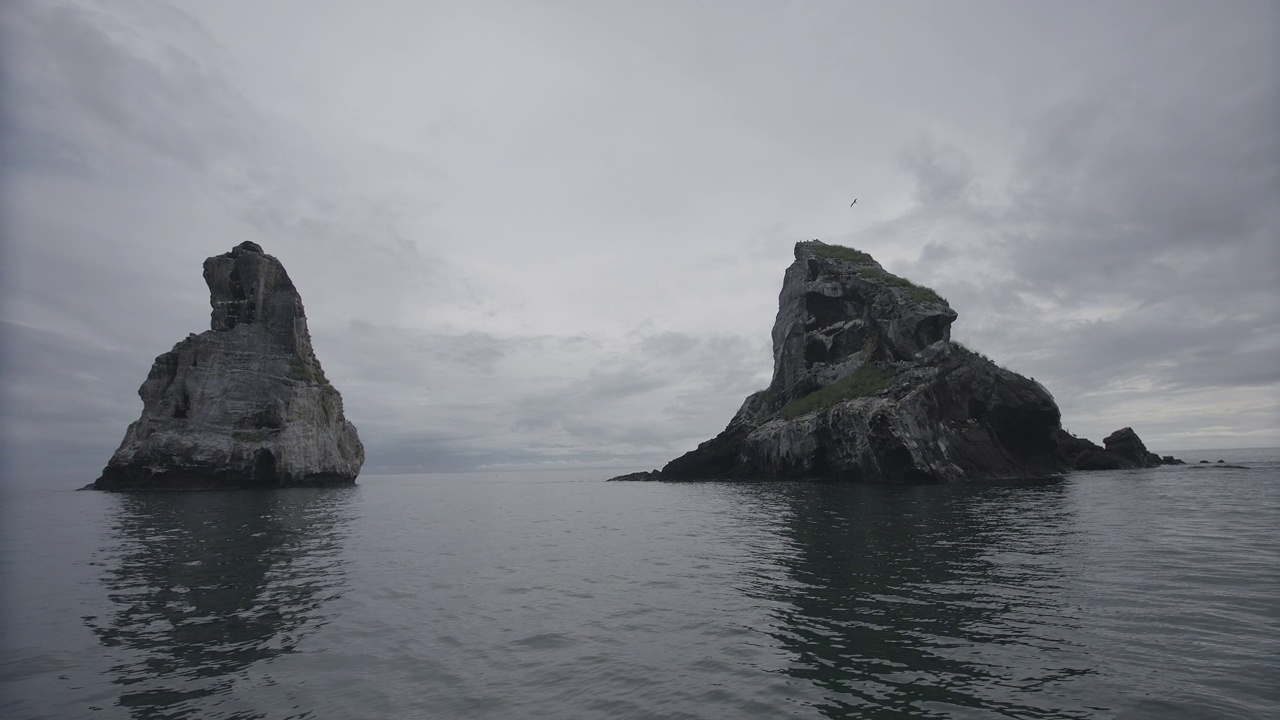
pixel 925 602
pixel 207 584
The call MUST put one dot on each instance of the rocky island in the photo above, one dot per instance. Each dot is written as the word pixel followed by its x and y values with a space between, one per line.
pixel 244 404
pixel 868 386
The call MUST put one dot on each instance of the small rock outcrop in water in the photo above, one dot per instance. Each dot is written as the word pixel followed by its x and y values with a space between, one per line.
pixel 1123 450
pixel 867 386
pixel 244 404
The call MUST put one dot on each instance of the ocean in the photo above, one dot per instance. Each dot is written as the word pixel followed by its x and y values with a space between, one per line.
pixel 1119 594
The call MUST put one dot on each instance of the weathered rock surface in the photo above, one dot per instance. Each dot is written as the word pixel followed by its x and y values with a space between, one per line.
pixel 244 404
pixel 867 386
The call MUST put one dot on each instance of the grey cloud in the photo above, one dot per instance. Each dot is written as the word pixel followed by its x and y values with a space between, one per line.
pixel 1167 354
pixel 1132 178
pixel 88 96
pixel 83 86
pixel 685 396
pixel 364 351
pixel 668 344
pixel 576 399
pixel 942 173
pixel 64 403
pixel 1133 246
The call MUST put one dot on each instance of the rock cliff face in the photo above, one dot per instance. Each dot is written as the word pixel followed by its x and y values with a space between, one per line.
pixel 244 404
pixel 868 386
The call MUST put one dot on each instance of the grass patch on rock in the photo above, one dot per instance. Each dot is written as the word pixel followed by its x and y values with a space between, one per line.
pixel 965 351
pixel 913 292
pixel 867 268
pixel 840 252
pixel 310 373
pixel 863 382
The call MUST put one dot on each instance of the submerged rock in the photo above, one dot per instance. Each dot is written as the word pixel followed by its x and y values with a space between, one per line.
pixel 867 386
pixel 244 404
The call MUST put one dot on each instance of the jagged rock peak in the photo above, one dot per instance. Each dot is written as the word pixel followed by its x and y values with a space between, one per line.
pixel 248 286
pixel 243 404
pixel 839 310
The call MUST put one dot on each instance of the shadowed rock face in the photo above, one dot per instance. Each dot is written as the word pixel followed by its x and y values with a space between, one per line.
pixel 867 386
pixel 244 404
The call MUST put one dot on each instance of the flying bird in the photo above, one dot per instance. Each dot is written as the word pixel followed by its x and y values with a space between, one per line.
pixel 855 202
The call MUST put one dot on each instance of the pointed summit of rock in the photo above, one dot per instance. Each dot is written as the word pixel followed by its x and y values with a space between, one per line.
pixel 243 404
pixel 247 287
pixel 840 310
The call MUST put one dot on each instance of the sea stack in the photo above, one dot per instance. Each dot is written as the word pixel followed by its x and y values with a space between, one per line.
pixel 244 404
pixel 867 386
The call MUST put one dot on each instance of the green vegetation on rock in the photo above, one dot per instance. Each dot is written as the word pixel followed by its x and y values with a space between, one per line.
pixel 865 381
pixel 309 373
pixel 868 269
pixel 968 352
pixel 840 252
pixel 913 292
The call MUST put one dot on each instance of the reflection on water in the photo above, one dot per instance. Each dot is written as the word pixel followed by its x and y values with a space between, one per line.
pixel 204 585
pixel 925 602
pixel 1142 594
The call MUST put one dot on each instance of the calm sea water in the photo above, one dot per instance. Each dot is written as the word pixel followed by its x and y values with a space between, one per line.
pixel 1139 594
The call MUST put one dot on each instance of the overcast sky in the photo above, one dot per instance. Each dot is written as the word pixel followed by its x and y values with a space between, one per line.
pixel 553 233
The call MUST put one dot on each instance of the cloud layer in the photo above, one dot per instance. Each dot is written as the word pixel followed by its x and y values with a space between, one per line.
pixel 554 234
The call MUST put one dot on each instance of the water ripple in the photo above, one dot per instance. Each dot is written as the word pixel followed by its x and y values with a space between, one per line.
pixel 1129 595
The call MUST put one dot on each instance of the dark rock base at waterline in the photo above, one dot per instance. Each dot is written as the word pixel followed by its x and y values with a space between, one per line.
pixel 206 479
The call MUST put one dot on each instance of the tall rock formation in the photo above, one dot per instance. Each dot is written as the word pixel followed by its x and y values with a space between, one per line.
pixel 868 386
pixel 244 404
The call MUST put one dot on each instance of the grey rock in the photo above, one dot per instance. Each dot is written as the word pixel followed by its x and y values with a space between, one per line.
pixel 840 309
pixel 244 404
pixel 644 475
pixel 1126 443
pixel 867 386
pixel 1123 450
